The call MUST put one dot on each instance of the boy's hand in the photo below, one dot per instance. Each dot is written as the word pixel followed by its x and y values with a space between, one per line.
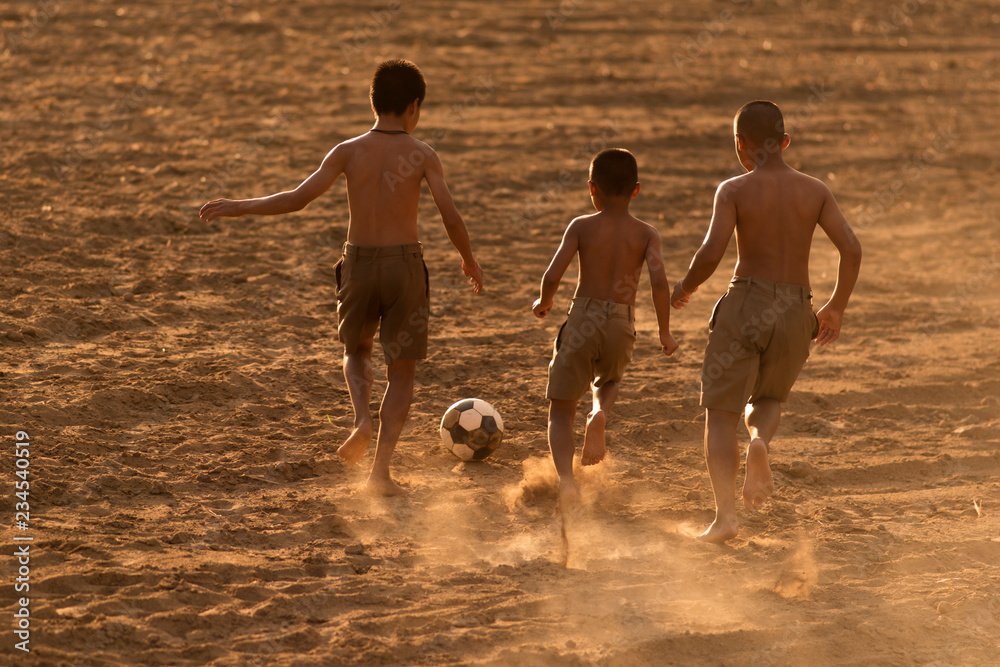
pixel 667 343
pixel 475 275
pixel 829 324
pixel 219 208
pixel 680 298
pixel 540 309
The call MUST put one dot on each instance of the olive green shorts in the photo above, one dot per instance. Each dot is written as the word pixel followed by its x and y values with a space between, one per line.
pixel 594 345
pixel 759 340
pixel 384 289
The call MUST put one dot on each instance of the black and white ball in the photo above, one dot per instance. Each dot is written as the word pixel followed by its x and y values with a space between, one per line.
pixel 471 429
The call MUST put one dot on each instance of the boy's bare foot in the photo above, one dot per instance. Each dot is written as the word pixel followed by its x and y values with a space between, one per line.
pixel 354 448
pixel 384 486
pixel 721 530
pixel 759 483
pixel 594 447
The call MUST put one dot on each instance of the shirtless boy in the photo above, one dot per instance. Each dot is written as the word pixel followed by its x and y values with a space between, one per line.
pixel 761 328
pixel 381 280
pixel 595 344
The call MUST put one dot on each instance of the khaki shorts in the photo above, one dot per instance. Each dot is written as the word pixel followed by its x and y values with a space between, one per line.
pixel 594 345
pixel 384 289
pixel 758 342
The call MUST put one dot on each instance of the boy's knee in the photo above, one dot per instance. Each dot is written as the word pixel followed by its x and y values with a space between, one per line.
pixel 402 369
pixel 715 417
pixel 561 408
pixel 363 349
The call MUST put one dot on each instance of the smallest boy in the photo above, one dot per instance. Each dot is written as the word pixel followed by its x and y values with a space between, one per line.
pixel 595 343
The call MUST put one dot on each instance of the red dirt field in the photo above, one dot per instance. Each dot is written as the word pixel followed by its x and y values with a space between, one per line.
pixel 180 381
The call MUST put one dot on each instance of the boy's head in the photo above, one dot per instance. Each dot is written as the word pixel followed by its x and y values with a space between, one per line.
pixel 760 133
pixel 395 85
pixel 615 172
pixel 760 121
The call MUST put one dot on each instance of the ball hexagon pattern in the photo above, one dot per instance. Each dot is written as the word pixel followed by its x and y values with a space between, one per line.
pixel 471 429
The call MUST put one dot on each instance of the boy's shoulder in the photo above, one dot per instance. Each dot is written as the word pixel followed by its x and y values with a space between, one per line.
pixel 371 137
pixel 612 229
pixel 408 154
pixel 602 219
pixel 789 176
pixel 649 228
pixel 582 221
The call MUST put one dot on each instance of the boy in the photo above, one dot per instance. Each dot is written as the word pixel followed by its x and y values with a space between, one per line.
pixel 381 279
pixel 595 343
pixel 761 328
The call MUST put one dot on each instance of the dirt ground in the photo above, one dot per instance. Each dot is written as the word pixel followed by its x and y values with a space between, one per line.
pixel 180 382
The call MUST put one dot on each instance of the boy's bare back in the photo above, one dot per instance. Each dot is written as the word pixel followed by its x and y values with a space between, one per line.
pixel 775 213
pixel 383 173
pixel 612 250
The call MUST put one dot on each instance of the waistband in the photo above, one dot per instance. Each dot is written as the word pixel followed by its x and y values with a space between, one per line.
pixel 773 288
pixel 382 251
pixel 607 307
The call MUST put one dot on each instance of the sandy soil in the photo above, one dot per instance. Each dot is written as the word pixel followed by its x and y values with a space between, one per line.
pixel 180 381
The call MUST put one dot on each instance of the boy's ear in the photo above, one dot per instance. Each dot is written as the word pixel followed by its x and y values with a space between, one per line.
pixel 638 186
pixel 739 142
pixel 413 106
pixel 785 140
pixel 593 188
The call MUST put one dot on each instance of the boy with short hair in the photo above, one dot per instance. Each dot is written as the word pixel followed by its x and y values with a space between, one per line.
pixel 595 344
pixel 761 328
pixel 382 281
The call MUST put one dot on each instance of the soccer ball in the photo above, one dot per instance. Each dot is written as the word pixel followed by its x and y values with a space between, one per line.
pixel 471 429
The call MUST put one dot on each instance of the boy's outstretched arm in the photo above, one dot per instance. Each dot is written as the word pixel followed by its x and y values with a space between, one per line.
pixel 713 248
pixel 831 315
pixel 557 267
pixel 660 288
pixel 282 202
pixel 452 219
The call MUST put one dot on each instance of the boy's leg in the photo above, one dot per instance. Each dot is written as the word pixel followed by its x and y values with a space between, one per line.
pixel 594 445
pixel 391 417
pixel 561 415
pixel 723 458
pixel 762 418
pixel 359 376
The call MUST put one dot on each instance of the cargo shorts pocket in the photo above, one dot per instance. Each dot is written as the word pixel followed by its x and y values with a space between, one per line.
pixel 427 279
pixel 558 342
pixel 715 312
pixel 338 271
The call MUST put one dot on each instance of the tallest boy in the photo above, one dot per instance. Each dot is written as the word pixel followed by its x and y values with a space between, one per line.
pixel 382 282
pixel 761 329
